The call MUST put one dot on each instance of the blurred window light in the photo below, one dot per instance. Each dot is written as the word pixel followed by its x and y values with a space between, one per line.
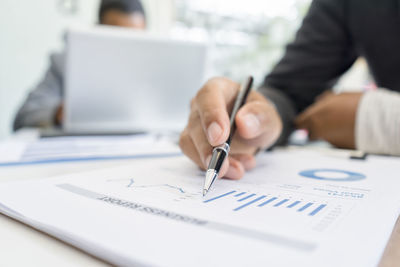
pixel 68 7
pixel 246 36
pixel 239 8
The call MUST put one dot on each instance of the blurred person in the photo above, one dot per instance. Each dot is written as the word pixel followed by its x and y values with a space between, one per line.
pixel 298 91
pixel 43 107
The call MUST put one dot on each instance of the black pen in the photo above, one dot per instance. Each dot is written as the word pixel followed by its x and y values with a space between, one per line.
pixel 221 152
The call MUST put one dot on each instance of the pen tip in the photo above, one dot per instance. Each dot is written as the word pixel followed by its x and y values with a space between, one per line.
pixel 204 192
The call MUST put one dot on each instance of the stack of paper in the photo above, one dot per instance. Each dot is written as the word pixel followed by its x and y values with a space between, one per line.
pixel 56 149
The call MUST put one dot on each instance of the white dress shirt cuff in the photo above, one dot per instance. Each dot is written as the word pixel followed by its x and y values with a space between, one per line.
pixel 378 123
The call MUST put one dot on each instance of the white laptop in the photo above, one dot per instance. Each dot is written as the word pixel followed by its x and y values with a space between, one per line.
pixel 120 81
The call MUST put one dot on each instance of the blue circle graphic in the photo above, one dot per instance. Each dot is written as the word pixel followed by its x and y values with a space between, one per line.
pixel 351 176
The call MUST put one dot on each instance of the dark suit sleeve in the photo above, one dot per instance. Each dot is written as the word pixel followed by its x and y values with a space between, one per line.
pixel 321 52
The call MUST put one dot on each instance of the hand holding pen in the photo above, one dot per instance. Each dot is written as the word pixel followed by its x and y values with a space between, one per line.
pixel 221 152
pixel 258 125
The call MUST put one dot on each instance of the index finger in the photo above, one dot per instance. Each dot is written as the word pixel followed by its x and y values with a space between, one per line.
pixel 213 102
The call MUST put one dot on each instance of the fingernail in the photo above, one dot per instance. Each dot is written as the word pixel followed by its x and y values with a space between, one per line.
pixel 252 123
pixel 214 131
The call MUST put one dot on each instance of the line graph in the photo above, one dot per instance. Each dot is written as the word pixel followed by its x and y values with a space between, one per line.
pixel 130 183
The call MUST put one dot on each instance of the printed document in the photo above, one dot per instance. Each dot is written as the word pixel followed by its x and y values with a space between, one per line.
pixel 78 148
pixel 296 208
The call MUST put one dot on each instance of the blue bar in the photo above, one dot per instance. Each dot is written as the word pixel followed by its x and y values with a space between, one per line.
pixel 249 196
pixel 293 204
pixel 223 195
pixel 238 195
pixel 305 206
pixel 268 201
pixel 249 203
pixel 281 202
pixel 317 210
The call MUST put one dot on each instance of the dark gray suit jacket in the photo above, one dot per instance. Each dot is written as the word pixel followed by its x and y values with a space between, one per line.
pixel 39 109
pixel 334 33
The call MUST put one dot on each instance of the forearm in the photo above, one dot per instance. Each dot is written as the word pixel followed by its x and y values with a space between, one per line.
pixel 378 123
pixel 312 63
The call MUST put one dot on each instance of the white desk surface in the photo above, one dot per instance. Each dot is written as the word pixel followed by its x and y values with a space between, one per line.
pixel 21 245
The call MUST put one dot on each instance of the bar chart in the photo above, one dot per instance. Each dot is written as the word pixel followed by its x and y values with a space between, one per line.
pixel 245 200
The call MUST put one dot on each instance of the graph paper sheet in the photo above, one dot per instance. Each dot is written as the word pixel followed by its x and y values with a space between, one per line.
pixel 295 209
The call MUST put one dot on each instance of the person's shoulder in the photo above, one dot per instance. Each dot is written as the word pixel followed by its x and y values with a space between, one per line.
pixel 330 10
pixel 330 4
pixel 57 62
